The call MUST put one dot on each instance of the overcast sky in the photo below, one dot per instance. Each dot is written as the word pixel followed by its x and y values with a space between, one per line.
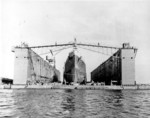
pixel 109 22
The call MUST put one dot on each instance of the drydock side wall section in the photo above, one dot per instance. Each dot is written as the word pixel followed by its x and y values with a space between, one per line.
pixel 108 71
pixel 119 68
pixel 128 66
pixel 21 66
pixel 30 67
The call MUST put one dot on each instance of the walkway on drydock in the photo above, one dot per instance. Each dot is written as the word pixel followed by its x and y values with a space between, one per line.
pixel 79 87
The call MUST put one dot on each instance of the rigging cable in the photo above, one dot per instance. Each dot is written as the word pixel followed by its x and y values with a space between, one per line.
pixel 94 51
pixel 53 51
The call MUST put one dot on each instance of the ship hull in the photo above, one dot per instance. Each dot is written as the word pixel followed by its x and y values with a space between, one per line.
pixel 75 70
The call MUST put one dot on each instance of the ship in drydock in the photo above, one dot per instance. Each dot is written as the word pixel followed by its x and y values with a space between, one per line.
pixel 75 69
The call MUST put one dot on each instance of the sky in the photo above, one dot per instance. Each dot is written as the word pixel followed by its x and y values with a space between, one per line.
pixel 43 22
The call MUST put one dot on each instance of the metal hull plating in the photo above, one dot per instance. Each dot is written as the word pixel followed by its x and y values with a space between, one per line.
pixel 75 70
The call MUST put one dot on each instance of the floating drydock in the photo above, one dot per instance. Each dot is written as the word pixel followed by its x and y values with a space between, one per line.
pixel 119 69
pixel 31 69
pixel 75 69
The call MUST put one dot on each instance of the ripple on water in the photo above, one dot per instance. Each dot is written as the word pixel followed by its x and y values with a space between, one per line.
pixel 74 103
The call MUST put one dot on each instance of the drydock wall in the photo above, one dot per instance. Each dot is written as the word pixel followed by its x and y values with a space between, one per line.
pixel 30 67
pixel 128 66
pixel 108 71
pixel 118 69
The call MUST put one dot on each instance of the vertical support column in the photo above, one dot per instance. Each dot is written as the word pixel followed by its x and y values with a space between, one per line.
pixel 127 65
pixel 21 66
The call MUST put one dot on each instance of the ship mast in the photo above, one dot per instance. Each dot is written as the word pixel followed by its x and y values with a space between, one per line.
pixel 74 51
pixel 75 44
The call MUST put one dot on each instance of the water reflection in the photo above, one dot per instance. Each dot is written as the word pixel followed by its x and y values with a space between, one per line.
pixel 114 97
pixel 74 103
pixel 7 108
pixel 68 102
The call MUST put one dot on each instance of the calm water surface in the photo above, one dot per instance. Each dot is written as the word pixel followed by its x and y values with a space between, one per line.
pixel 74 103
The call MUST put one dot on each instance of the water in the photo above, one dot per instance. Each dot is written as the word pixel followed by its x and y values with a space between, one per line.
pixel 42 103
